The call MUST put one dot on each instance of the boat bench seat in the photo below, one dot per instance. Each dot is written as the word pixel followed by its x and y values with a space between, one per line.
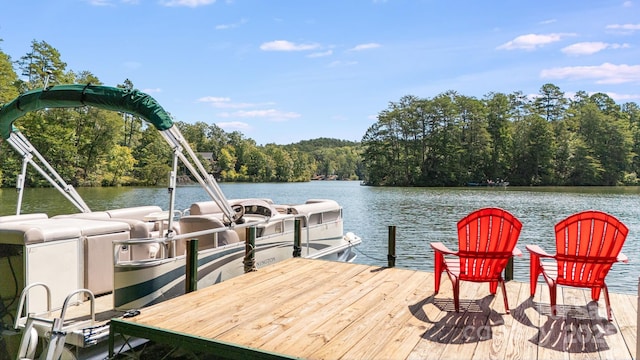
pixel 138 229
pixel 210 207
pixel 22 217
pixel 317 211
pixel 137 213
pixel 204 207
pixel 37 231
pixel 134 216
pixel 193 223
pixel 94 236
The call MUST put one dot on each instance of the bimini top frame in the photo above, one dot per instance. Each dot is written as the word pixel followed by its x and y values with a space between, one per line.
pixel 109 98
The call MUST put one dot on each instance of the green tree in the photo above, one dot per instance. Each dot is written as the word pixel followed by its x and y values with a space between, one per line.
pixel 119 163
pixel 42 64
pixel 8 79
pixel 499 128
pixel 551 103
pixel 154 158
pixel 475 139
pixel 283 164
pixel 132 131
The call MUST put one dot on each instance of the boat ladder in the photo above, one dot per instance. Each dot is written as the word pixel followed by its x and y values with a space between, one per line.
pixel 54 335
pixel 51 329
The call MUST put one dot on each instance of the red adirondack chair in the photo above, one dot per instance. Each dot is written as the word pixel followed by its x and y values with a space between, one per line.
pixel 486 241
pixel 587 245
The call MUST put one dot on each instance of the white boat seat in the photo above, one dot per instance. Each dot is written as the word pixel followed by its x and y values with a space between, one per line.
pixel 138 229
pixel 204 207
pixel 95 237
pixel 317 211
pixel 193 223
pixel 37 231
pixel 210 207
pixel 137 212
pixel 22 217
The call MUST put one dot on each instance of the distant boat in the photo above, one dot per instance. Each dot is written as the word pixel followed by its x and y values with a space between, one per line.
pixel 489 183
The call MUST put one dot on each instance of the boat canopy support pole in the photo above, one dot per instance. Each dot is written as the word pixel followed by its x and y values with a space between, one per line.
pixel 172 188
pixel 20 181
pixel 174 137
pixel 21 145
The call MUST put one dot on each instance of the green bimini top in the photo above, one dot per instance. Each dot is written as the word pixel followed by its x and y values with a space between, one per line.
pixel 69 96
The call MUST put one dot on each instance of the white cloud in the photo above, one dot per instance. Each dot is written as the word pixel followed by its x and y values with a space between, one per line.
pixel 627 4
pixel 342 63
pixel 226 103
pixel 606 73
pixel 549 21
pixel 321 54
pixel 532 41
pixel 231 26
pixel 588 48
pixel 367 46
pixel 100 2
pixel 214 99
pixel 623 28
pixel 188 3
pixel 234 125
pixel 623 97
pixel 271 114
pixel 284 45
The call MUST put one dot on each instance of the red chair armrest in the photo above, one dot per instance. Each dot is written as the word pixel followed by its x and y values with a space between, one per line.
pixel 538 251
pixel 516 252
pixel 441 248
pixel 623 258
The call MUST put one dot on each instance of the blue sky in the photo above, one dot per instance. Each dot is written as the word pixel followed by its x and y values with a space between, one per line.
pixel 283 71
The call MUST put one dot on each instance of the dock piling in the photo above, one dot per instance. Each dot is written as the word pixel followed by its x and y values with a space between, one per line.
pixel 508 270
pixel 191 280
pixel 391 257
pixel 249 250
pixel 297 238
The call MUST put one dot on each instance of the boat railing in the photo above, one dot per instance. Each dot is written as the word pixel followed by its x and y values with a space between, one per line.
pixel 69 297
pixel 23 296
pixel 165 247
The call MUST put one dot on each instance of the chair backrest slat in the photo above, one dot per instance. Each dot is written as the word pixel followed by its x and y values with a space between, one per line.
pixel 587 244
pixel 486 240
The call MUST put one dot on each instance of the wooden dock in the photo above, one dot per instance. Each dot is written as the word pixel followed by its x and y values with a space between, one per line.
pixel 316 309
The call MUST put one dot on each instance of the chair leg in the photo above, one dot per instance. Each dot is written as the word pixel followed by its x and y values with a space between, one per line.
pixel 607 302
pixel 439 268
pixel 493 287
pixel 552 296
pixel 456 293
pixel 595 293
pixel 504 295
pixel 534 271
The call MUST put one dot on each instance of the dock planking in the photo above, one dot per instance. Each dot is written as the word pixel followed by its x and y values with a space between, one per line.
pixel 316 309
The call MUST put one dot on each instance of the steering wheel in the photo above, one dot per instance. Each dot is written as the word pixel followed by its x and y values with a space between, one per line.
pixel 238 213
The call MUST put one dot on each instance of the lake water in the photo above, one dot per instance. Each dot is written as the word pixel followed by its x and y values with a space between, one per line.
pixel 421 215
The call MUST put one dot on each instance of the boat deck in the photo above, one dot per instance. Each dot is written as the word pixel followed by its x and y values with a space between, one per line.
pixel 315 309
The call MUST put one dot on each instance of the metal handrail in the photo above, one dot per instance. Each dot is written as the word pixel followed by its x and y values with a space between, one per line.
pixel 68 298
pixel 23 296
pixel 170 238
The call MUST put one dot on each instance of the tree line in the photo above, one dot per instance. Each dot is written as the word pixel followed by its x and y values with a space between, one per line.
pixel 547 139
pixel 95 147
pixel 447 140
